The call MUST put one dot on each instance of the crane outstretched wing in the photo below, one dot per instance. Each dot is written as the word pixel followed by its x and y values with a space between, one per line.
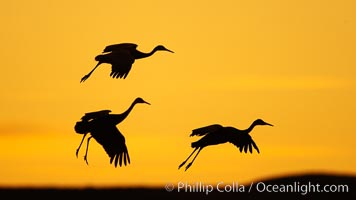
pixel 120 71
pixel 121 64
pixel 245 143
pixel 207 129
pixel 95 115
pixel 119 47
pixel 113 143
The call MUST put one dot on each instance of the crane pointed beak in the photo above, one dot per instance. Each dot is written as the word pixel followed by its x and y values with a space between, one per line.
pixel 169 51
pixel 268 124
pixel 147 103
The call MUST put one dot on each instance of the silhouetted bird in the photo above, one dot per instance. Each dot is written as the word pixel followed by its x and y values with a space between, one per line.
pixel 102 127
pixel 121 57
pixel 217 134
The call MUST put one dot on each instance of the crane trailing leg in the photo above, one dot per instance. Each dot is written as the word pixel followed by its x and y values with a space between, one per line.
pixel 87 76
pixel 81 127
pixel 190 164
pixel 86 151
pixel 76 153
pixel 181 165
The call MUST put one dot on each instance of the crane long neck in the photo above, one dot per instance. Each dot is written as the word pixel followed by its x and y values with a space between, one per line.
pixel 250 128
pixel 144 55
pixel 122 116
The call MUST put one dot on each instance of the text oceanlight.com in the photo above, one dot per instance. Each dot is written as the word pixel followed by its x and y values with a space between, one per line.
pixel 294 187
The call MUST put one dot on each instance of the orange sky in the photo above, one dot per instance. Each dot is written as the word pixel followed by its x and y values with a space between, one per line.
pixel 290 63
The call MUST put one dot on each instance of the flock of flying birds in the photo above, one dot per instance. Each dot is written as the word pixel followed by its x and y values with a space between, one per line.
pixel 102 124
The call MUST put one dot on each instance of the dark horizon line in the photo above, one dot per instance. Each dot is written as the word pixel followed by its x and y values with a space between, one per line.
pixel 272 178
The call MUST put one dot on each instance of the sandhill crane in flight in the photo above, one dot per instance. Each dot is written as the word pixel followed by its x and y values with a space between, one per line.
pixel 217 134
pixel 102 127
pixel 121 57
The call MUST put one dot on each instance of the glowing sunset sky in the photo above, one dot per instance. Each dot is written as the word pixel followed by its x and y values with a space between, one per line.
pixel 290 63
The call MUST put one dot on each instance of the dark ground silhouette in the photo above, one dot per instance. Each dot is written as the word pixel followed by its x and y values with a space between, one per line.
pixel 162 193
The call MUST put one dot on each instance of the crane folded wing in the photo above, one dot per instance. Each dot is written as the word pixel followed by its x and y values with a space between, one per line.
pixel 95 115
pixel 207 129
pixel 120 47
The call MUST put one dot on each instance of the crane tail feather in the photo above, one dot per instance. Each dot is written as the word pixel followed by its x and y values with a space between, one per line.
pixel 195 144
pixel 81 127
